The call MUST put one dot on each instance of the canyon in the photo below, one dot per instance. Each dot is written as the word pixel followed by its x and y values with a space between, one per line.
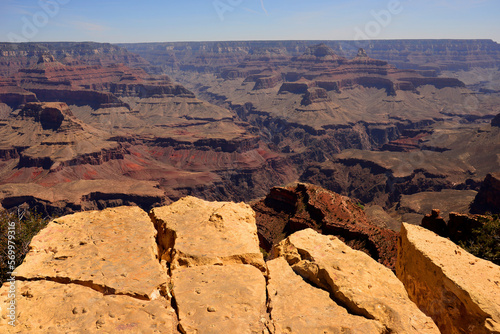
pixel 254 187
pixel 387 123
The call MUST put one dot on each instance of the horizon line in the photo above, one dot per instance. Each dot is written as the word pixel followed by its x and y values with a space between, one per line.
pixel 262 40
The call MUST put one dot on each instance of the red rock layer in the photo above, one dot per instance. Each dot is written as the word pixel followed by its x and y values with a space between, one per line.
pixel 289 209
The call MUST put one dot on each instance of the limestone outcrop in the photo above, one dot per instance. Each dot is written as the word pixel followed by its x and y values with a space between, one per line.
pixel 362 285
pixel 95 271
pixel 195 267
pixel 50 307
pixel 112 251
pixel 195 232
pixel 459 291
pixel 298 307
pixel 220 299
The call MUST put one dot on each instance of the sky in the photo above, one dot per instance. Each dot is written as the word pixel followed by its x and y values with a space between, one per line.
pixel 132 21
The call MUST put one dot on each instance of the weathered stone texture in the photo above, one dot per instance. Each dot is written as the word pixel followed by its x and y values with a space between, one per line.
pixel 112 251
pixel 49 307
pixel 356 281
pixel 458 290
pixel 195 232
pixel 220 299
pixel 298 307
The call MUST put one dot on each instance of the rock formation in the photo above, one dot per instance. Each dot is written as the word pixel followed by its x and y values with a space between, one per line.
pixel 363 286
pixel 298 307
pixel 457 290
pixel 435 223
pixel 14 56
pixel 79 249
pixel 113 123
pixel 125 267
pixel 233 119
pixel 496 121
pixel 220 299
pixel 210 225
pixel 488 197
pixel 93 270
pixel 424 55
pixel 195 266
pixel 289 209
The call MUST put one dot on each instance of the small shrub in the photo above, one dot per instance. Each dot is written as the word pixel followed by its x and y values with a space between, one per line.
pixel 485 241
pixel 25 224
pixel 264 253
pixel 361 206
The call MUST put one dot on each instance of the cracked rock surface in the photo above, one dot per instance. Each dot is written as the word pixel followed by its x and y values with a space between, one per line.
pixel 113 251
pixel 298 307
pixel 458 290
pixel 220 299
pixel 194 232
pixel 355 280
pixel 49 307
pixel 195 267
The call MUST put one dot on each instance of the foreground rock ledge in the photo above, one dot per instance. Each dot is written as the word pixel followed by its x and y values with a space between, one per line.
pixel 458 290
pixel 355 280
pixel 48 307
pixel 298 307
pixel 194 232
pixel 220 299
pixel 113 251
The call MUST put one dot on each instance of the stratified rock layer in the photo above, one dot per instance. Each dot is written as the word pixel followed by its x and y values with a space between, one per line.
pixel 195 232
pixel 220 299
pixel 111 251
pixel 458 290
pixel 298 307
pixel 362 285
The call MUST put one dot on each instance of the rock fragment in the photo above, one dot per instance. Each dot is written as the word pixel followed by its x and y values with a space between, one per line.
pixel 458 290
pixel 355 280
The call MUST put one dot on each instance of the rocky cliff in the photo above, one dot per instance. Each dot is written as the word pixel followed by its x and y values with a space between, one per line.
pixel 286 210
pixel 456 289
pixel 417 54
pixel 488 197
pixel 66 121
pixel 16 56
pixel 196 267
pixel 241 118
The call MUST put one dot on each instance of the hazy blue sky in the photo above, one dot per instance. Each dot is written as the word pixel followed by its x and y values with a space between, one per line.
pixel 201 20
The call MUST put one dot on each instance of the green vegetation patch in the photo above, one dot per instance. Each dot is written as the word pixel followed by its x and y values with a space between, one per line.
pixel 17 228
pixel 484 242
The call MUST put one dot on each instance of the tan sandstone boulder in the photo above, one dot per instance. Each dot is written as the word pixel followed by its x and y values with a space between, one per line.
pixel 355 280
pixel 113 251
pixel 298 307
pixel 458 290
pixel 49 307
pixel 220 299
pixel 196 232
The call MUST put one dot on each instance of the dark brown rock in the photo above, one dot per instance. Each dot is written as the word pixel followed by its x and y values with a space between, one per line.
pixel 300 206
pixel 435 223
pixel 496 121
pixel 460 226
pixel 488 197
pixel 315 95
